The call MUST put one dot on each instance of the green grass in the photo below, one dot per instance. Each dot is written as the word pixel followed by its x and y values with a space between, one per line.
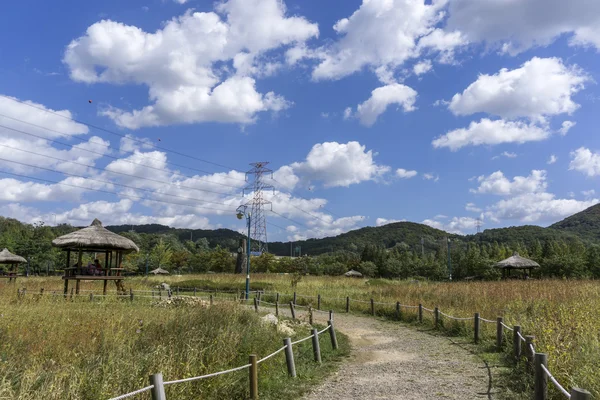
pixel 52 348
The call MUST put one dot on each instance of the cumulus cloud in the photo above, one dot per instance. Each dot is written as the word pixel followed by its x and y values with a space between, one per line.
pixel 180 63
pixel 536 207
pixel 457 225
pixel 488 132
pixel 385 221
pixel 473 208
pixel 422 67
pixel 339 164
pixel 588 193
pixel 385 33
pixel 552 159
pixel 522 24
pixel 431 177
pixel 566 127
pixel 585 161
pixel 381 98
pixel 498 184
pixel 540 87
pixel 405 174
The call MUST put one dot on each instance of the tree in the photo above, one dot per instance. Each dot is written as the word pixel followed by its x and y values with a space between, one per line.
pixel 161 254
pixel 180 258
pixel 367 268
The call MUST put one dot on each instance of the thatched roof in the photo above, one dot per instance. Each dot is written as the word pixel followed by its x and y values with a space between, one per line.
pixel 159 271
pixel 6 257
pixel 353 273
pixel 516 261
pixel 95 237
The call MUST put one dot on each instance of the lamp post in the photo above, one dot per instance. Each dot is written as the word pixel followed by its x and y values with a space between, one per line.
pixel 449 260
pixel 241 212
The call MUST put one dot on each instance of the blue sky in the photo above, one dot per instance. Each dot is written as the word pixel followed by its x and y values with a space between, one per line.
pixel 439 112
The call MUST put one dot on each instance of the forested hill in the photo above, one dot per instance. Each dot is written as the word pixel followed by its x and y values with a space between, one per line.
pixel 585 224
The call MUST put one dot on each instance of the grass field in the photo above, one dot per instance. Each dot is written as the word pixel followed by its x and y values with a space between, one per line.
pixel 52 348
pixel 563 315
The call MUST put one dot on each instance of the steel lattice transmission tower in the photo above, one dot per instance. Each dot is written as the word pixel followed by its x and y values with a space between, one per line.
pixel 259 220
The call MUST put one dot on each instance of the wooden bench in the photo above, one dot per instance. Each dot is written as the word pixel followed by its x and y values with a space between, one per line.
pixel 71 275
pixel 93 278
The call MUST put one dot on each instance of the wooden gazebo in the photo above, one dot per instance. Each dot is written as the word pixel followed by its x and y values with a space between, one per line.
pixel 13 260
pixel 95 239
pixel 516 262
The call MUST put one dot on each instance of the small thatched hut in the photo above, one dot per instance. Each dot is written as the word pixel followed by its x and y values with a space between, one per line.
pixel 95 239
pixel 353 274
pixel 516 262
pixel 13 260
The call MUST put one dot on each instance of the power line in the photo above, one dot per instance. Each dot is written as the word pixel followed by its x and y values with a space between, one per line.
pixel 113 183
pixel 114 193
pixel 298 223
pixel 117 158
pixel 120 173
pixel 119 134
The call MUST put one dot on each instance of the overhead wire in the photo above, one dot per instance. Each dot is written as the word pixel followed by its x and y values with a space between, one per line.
pixel 117 158
pixel 119 134
pixel 109 192
pixel 120 173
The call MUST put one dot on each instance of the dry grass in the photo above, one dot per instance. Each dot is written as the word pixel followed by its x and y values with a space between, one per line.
pixel 52 348
pixel 563 315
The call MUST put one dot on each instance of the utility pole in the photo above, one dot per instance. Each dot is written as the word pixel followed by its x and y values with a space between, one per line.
pixel 478 224
pixel 449 261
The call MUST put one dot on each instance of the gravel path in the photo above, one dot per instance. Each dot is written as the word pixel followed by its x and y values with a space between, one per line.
pixel 391 361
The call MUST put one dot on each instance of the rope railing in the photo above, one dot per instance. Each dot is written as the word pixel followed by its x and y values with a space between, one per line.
pixel 452 317
pixel 124 396
pixel 507 327
pixel 273 354
pixel 556 384
pixel 489 321
pixel 521 337
pixel 195 378
pixel 303 339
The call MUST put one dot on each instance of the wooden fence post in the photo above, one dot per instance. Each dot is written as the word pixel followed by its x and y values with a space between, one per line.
pixel 158 391
pixel 372 307
pixel 310 315
pixel 318 302
pixel 541 379
pixel 517 342
pixel 293 310
pixel 194 292
pixel 476 327
pixel 580 394
pixel 255 304
pixel 420 313
pixel 499 333
pixel 294 298
pixel 91 296
pixel 169 293
pixel 436 315
pixel 130 294
pixel 316 347
pixel 277 298
pixel 347 304
pixel 253 377
pixel 277 309
pixel 331 315
pixel 258 296
pixel 42 291
pixel 211 299
pixel 289 357
pixel 71 293
pixel 334 342
pixel 398 310
pixel 529 340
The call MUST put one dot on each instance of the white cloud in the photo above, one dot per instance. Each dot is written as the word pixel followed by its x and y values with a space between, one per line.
pixel 566 127
pixel 385 33
pixel 385 221
pixel 422 67
pixel 535 207
pixel 339 164
pixel 498 184
pixel 583 160
pixel 488 132
pixel 348 113
pixel 405 174
pixel 381 98
pixel 457 225
pixel 540 87
pixel 588 193
pixel 552 159
pixel 180 62
pixel 506 154
pixel 180 1
pixel 472 208
pixel 520 25
pixel 431 177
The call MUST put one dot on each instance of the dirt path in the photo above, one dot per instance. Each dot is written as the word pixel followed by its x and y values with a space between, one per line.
pixel 391 361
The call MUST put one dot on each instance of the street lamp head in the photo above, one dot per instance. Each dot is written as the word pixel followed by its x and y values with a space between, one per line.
pixel 240 215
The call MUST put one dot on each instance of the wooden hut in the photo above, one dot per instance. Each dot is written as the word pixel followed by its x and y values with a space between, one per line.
pixel 13 261
pixel 94 239
pixel 516 262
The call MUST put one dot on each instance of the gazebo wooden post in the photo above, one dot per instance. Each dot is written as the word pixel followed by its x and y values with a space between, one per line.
pixel 106 262
pixel 79 266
